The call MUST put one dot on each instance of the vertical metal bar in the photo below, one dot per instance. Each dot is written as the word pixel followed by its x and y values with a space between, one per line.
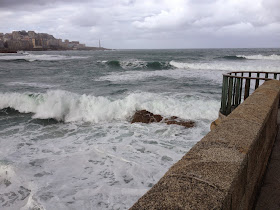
pixel 241 84
pixel 247 88
pixel 234 93
pixel 228 111
pixel 224 95
pixel 257 81
pixel 237 91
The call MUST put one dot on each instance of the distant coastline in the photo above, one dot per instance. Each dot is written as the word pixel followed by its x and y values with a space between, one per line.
pixel 31 41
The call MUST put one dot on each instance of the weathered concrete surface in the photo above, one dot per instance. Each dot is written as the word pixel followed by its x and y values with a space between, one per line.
pixel 269 197
pixel 224 169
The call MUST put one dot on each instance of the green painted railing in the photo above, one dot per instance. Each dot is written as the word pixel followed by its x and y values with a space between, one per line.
pixel 238 85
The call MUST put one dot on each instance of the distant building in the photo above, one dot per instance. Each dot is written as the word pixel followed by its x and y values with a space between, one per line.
pixel 7 36
pixel 1 44
pixel 33 42
pixel 1 36
pixel 22 40
pixel 31 34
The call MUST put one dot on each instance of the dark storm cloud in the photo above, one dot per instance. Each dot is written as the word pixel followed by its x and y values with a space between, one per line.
pixel 149 23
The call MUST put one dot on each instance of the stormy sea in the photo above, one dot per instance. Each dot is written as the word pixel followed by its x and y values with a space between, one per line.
pixel 66 136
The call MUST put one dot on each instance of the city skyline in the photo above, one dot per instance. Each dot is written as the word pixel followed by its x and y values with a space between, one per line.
pixel 135 24
pixel 30 40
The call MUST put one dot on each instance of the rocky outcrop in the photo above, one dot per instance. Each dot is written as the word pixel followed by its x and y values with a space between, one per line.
pixel 143 116
pixel 177 121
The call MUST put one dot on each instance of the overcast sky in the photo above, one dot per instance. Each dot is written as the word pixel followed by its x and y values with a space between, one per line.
pixel 149 23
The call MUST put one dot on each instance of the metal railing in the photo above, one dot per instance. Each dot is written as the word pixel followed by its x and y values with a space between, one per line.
pixel 237 87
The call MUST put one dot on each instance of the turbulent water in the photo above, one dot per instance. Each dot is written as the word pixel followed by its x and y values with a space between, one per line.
pixel 65 132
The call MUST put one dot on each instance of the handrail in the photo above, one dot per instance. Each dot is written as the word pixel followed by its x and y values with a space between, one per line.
pixel 233 92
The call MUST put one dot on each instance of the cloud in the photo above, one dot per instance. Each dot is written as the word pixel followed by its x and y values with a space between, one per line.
pixel 165 19
pixel 29 4
pixel 138 23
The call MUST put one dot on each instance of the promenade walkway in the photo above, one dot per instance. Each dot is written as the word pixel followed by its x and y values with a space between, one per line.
pixel 269 197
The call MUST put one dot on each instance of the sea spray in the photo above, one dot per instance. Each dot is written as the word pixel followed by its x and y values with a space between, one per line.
pixel 94 158
pixel 69 107
pixel 261 57
pixel 226 66
pixel 137 64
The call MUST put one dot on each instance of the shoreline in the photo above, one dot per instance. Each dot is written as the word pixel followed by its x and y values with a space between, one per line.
pixel 36 50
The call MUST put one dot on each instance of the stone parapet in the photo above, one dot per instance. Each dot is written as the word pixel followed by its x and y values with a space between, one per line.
pixel 224 170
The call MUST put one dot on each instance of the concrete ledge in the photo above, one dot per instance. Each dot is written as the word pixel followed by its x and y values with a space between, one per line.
pixel 225 168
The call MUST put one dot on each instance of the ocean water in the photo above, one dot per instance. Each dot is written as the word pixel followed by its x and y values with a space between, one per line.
pixel 65 132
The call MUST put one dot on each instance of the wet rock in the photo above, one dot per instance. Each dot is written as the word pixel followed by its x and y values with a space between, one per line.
pixel 177 121
pixel 145 116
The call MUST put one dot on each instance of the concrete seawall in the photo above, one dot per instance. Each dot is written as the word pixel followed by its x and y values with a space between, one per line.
pixel 224 170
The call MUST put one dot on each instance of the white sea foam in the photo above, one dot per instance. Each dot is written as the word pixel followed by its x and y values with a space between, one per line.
pixel 44 57
pixel 97 167
pixel 227 66
pixel 31 84
pixel 139 75
pixel 261 57
pixel 137 64
pixel 171 73
pixel 69 107
pixel 108 165
pixel 133 64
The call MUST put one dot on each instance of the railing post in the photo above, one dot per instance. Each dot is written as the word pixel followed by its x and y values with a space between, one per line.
pixel 237 91
pixel 224 95
pixel 234 90
pixel 247 88
pixel 257 81
pixel 241 84
pixel 230 88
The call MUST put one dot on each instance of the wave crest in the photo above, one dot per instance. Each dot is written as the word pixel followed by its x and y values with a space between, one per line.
pixel 69 107
pixel 226 66
pixel 138 64
pixel 233 57
pixel 261 57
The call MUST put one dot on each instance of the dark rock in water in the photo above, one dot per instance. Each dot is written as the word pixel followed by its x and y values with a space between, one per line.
pixel 8 111
pixel 144 116
pixel 177 121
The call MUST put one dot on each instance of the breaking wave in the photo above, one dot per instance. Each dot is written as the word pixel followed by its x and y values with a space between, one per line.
pixel 70 107
pixel 261 57
pixel 226 66
pixel 138 64
pixel 32 57
pixel 233 57
pixel 250 57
